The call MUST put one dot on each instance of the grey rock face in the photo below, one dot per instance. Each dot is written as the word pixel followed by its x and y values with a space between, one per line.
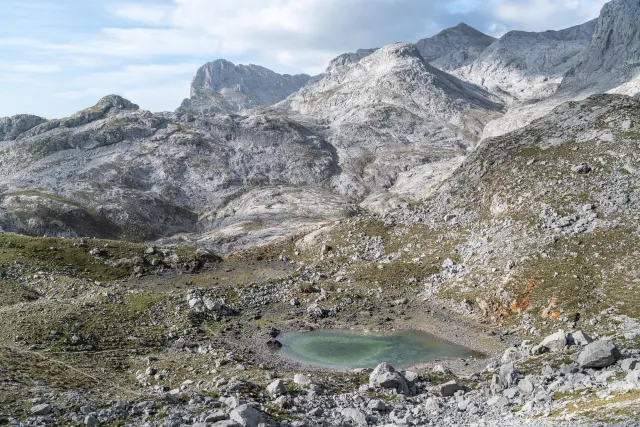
pixel 237 87
pixel 599 354
pixel 454 47
pixel 12 127
pixel 522 66
pixel 611 61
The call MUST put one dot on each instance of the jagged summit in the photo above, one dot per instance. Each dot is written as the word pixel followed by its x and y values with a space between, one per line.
pixel 454 47
pixel 237 87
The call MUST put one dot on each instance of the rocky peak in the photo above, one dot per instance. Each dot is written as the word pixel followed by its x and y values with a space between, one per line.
pixel 238 87
pixel 612 58
pixel 116 102
pixel 12 127
pixel 454 47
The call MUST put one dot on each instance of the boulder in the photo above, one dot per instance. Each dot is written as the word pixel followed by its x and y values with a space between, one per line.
pixel 277 388
pixel 432 404
pixel 526 386
pixel 91 421
pixel 579 338
pixel 355 415
pixel 599 354
pixel 384 376
pixel 555 342
pixel 450 388
pixel 42 409
pixel 581 169
pixel 629 365
pixel 633 378
pixel 377 405
pixel 247 416
pixel 302 380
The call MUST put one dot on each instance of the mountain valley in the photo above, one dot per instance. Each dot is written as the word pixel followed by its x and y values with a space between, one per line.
pixel 485 191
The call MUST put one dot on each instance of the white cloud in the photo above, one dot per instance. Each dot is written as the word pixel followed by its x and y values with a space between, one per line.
pixel 153 15
pixel 32 68
pixel 540 15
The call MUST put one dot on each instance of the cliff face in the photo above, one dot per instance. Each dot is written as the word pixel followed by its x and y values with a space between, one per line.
pixel 237 87
pixel 611 61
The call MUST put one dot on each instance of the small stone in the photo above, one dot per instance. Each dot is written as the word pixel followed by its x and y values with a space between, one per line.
pixel 277 388
pixel 42 409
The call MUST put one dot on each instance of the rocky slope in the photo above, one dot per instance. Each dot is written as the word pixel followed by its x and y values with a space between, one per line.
pixel 454 47
pixel 116 171
pixel 231 87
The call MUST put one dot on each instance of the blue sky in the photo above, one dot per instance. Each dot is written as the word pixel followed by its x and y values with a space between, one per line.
pixel 60 56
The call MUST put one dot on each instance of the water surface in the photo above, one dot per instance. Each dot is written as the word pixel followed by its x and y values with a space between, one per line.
pixel 338 349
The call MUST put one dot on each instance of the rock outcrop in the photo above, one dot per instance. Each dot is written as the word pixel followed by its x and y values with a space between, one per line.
pixel 12 127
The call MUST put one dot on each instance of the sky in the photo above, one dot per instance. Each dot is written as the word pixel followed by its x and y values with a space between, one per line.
pixel 60 56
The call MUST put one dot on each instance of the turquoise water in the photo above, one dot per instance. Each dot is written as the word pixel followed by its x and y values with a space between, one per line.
pixel 336 349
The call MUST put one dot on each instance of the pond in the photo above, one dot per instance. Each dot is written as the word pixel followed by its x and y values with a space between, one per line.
pixel 338 349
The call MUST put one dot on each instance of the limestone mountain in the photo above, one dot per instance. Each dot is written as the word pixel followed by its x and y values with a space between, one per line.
pixel 116 171
pixel 231 87
pixel 523 66
pixel 454 47
pixel 387 111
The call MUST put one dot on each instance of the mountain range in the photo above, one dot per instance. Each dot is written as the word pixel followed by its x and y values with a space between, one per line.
pixel 253 155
